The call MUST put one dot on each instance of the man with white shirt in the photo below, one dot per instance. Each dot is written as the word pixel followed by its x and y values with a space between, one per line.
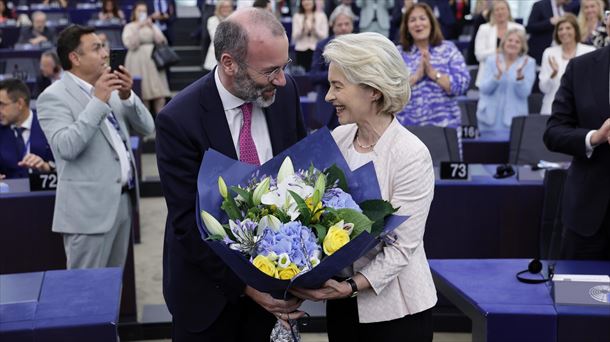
pixel 248 109
pixel 23 147
pixel 580 126
pixel 85 117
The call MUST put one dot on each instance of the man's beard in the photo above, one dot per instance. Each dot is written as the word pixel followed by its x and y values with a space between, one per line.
pixel 247 90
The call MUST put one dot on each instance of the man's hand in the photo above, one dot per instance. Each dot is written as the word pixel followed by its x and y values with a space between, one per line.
pixel 106 84
pixel 32 161
pixel 331 289
pixel 284 310
pixel 126 82
pixel 602 134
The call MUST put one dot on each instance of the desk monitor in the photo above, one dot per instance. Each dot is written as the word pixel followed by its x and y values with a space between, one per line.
pixel 442 142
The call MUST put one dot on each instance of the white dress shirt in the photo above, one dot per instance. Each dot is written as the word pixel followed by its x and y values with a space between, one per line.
pixel 235 118
pixel 27 126
pixel 117 140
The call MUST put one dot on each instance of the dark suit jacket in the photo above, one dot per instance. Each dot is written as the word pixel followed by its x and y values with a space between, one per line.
pixel 196 283
pixel 582 104
pixel 8 150
pixel 27 33
pixel 540 28
pixel 325 112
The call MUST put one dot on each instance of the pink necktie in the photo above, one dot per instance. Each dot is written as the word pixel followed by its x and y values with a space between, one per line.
pixel 247 149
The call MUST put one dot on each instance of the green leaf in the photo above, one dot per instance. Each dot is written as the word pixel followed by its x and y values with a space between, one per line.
pixel 230 207
pixel 335 174
pixel 377 211
pixel 303 208
pixel 360 221
pixel 320 232
pixel 247 195
pixel 215 237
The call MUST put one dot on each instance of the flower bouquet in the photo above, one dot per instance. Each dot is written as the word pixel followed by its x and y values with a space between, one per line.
pixel 276 227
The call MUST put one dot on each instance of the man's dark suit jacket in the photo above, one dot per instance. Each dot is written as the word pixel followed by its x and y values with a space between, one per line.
pixel 8 150
pixel 325 112
pixel 196 283
pixel 27 33
pixel 582 104
pixel 540 28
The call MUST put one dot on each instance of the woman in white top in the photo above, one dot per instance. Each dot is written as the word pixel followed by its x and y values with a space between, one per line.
pixel 488 37
pixel 223 9
pixel 369 84
pixel 556 58
pixel 591 23
pixel 308 27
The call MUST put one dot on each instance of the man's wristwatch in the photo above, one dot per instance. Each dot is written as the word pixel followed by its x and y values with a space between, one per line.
pixel 352 283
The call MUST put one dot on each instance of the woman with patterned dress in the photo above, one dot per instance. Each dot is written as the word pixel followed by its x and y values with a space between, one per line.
pixel 437 68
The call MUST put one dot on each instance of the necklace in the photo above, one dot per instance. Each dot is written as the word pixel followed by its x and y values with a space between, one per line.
pixel 366 147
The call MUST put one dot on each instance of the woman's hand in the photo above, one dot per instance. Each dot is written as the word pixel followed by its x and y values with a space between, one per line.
pixel 498 67
pixel 520 70
pixel 331 289
pixel 554 66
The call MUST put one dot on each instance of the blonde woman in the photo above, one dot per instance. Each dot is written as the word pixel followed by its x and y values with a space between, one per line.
pixel 506 84
pixel 224 8
pixel 591 23
pixel 489 35
pixel 369 84
pixel 556 58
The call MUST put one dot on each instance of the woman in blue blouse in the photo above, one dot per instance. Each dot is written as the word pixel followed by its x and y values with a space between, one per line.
pixel 437 68
pixel 504 92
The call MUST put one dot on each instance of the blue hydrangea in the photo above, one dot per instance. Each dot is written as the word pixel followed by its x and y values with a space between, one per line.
pixel 338 199
pixel 292 238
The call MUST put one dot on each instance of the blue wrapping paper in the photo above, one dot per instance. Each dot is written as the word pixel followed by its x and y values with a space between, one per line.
pixel 318 148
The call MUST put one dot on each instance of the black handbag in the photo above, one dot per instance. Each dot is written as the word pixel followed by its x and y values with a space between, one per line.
pixel 164 56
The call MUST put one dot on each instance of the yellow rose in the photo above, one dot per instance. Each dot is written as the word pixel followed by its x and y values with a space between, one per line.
pixel 289 272
pixel 336 238
pixel 315 218
pixel 265 265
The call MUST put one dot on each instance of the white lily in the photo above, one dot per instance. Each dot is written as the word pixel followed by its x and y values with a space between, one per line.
pixel 281 198
pixel 268 221
pixel 211 223
pixel 261 189
pixel 286 170
pixel 222 187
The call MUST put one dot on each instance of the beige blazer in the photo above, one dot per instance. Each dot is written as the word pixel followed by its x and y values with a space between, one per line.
pixel 399 274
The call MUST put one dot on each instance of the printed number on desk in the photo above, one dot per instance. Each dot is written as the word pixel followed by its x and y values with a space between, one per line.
pixel 469 132
pixel 454 170
pixel 43 181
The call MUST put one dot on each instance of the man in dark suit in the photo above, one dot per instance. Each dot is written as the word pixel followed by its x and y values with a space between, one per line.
pixel 580 126
pixel 23 146
pixel 541 24
pixel 164 15
pixel 248 109
pixel 39 33
pixel 50 71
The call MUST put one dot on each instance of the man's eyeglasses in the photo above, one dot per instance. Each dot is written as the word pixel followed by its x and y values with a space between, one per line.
pixel 270 75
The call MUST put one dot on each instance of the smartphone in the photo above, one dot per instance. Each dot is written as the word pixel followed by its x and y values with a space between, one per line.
pixel 117 57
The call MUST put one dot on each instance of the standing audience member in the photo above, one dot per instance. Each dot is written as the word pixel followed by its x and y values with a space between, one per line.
pixel 23 146
pixel 460 9
pixel 39 33
pixel 541 23
pixel 140 37
pixel 391 294
pixel 375 16
pixel 591 23
pixel 489 35
pixel 56 3
pixel 479 17
pixel 308 27
pixel 86 116
pixel 111 11
pixel 341 22
pixel 207 9
pixel 163 15
pixel 506 84
pixel 580 126
pixel 263 4
pixel 247 109
pixel 224 8
pixel 400 8
pixel 438 72
pixel 556 58
pixel 50 71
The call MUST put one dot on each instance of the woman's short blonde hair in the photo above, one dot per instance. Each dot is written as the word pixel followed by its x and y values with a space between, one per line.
pixel 372 60
pixel 521 34
pixel 495 4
